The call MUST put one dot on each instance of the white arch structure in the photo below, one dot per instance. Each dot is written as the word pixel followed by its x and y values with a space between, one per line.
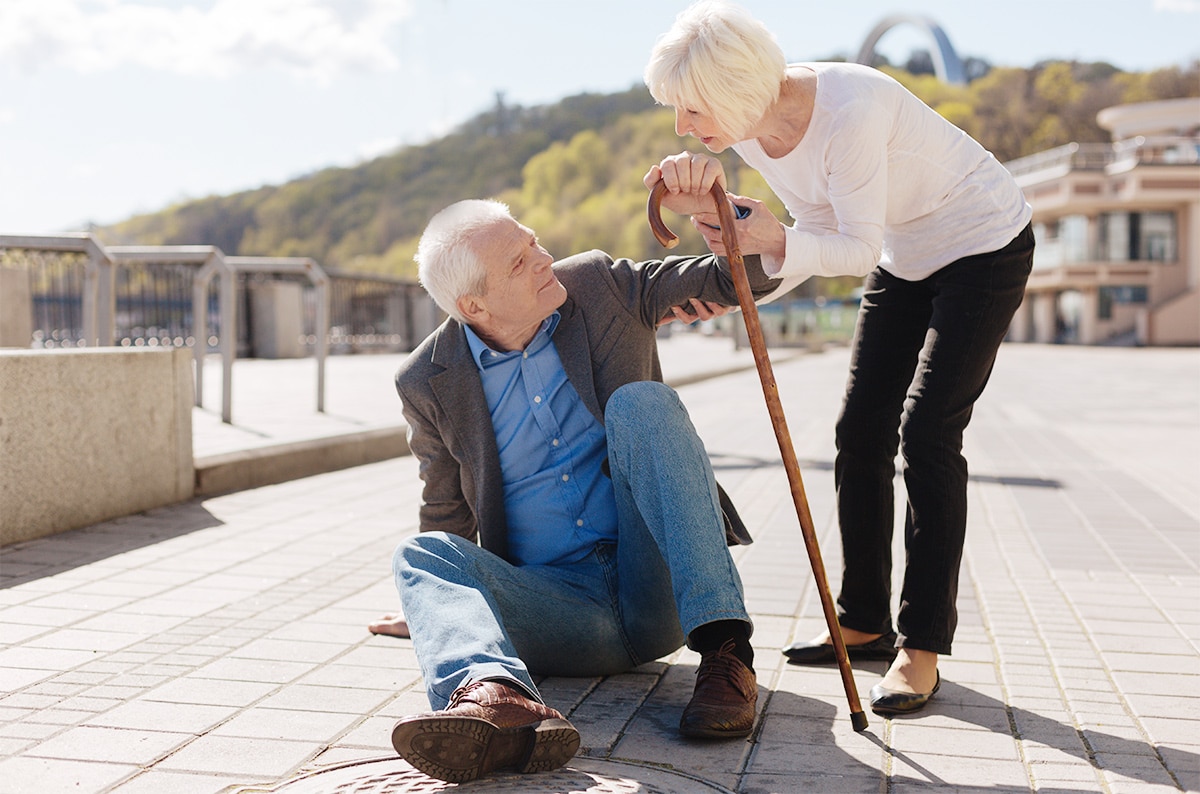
pixel 946 63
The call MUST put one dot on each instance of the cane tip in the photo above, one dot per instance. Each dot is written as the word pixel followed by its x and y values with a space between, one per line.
pixel 858 720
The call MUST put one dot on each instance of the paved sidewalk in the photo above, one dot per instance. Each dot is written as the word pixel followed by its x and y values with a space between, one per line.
pixel 219 645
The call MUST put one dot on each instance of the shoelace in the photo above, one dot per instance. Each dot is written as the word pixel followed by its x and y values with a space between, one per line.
pixel 462 693
pixel 720 664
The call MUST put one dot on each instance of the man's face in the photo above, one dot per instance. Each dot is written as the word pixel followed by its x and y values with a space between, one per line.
pixel 522 289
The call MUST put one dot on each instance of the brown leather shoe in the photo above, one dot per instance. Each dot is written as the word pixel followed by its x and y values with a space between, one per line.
pixel 487 726
pixel 724 702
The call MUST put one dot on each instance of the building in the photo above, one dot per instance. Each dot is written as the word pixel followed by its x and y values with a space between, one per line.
pixel 1118 232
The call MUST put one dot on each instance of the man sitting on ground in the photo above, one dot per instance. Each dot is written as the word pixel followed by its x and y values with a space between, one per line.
pixel 570 521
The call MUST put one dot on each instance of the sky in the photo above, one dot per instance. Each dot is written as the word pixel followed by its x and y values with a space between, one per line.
pixel 110 108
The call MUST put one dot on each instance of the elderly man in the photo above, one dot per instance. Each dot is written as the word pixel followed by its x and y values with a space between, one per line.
pixel 570 522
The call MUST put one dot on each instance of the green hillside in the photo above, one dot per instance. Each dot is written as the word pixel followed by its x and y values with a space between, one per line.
pixel 573 170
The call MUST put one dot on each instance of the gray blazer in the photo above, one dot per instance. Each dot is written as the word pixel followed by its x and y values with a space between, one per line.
pixel 606 337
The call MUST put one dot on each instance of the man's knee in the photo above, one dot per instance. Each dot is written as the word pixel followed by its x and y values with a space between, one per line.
pixel 644 406
pixel 416 551
pixel 635 399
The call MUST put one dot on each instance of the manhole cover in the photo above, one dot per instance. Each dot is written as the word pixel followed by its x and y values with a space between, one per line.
pixel 582 776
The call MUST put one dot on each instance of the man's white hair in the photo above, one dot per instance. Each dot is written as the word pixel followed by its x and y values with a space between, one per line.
pixel 449 263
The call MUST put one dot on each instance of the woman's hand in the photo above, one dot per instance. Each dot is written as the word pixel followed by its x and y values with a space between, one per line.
pixel 689 178
pixel 758 233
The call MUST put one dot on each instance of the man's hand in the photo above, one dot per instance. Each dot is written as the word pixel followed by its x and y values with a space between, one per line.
pixel 700 310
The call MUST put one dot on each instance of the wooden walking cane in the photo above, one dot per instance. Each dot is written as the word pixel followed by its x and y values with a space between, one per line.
pixel 775 408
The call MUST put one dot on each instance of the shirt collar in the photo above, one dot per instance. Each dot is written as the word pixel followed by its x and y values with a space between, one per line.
pixel 484 356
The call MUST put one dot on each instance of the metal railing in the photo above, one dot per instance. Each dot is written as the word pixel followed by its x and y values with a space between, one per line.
pixel 1071 157
pixel 68 282
pixel 1119 156
pixel 1156 150
pixel 84 294
pixel 376 313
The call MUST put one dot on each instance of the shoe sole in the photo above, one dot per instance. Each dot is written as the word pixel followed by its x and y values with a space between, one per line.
pixel 706 725
pixel 459 749
pixel 712 733
pixel 871 651
pixel 830 657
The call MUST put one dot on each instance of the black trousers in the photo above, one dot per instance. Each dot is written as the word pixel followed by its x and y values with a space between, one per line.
pixel 922 353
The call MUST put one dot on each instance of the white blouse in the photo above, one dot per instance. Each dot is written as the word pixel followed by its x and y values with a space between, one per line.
pixel 881 179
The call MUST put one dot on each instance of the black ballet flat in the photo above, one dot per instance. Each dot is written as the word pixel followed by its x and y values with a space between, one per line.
pixel 887 702
pixel 881 649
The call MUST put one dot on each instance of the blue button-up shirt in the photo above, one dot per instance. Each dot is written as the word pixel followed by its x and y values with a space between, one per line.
pixel 557 501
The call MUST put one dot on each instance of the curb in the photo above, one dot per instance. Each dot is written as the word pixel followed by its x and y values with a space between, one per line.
pixel 236 471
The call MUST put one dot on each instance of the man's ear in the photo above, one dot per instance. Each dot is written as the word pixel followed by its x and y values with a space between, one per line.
pixel 472 307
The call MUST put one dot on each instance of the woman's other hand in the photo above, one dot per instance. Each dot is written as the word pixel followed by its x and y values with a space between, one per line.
pixel 758 233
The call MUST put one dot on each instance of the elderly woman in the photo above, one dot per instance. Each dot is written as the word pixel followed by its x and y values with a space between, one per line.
pixel 878 185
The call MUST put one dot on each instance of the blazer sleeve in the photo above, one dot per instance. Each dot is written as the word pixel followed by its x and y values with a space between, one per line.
pixel 443 501
pixel 654 286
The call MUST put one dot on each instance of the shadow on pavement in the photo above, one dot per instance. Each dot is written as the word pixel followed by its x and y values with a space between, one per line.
pixel 33 559
pixel 1117 755
pixel 725 461
pixel 803 727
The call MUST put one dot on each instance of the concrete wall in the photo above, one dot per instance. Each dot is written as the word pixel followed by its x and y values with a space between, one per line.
pixel 1176 323
pixel 16 308
pixel 277 309
pixel 90 435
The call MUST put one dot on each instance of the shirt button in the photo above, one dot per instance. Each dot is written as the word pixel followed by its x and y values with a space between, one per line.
pixel 579 523
pixel 566 477
pixel 537 399
pixel 524 355
pixel 554 442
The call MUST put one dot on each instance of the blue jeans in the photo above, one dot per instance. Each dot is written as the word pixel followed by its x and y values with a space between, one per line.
pixel 923 352
pixel 475 616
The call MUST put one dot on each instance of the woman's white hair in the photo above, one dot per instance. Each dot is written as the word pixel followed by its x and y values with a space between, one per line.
pixel 448 261
pixel 721 61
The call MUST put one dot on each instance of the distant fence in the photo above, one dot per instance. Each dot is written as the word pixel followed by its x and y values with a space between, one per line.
pixel 73 292
pixel 799 322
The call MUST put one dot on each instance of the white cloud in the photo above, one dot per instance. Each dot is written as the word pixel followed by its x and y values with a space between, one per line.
pixel 1180 6
pixel 316 39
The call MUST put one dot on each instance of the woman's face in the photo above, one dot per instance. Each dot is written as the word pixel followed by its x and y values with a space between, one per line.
pixel 702 126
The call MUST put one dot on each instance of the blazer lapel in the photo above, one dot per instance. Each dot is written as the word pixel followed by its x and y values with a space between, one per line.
pixel 571 340
pixel 459 391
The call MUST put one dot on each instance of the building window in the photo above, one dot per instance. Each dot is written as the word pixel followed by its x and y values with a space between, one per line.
pixel 1137 236
pixel 1045 252
pixel 1111 296
pixel 1073 238
pixel 1114 236
pixel 1157 243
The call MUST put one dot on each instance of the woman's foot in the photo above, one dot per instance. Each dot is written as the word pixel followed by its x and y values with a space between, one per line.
pixel 908 684
pixel 913 671
pixel 851 637
pixel 391 626
pixel 860 646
